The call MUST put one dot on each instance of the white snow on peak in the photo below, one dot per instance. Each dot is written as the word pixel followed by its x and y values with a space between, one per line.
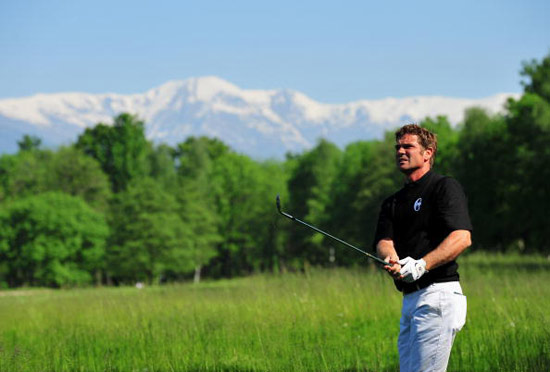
pixel 196 89
pixel 206 88
pixel 258 122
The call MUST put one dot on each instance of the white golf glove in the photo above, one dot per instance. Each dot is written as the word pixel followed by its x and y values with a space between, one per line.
pixel 412 269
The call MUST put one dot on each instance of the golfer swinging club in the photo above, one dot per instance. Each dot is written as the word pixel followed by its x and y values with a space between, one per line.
pixel 421 230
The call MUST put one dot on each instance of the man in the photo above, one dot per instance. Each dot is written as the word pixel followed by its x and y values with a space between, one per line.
pixel 421 230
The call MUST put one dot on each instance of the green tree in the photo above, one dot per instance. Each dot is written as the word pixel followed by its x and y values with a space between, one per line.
pixel 245 203
pixel 196 153
pixel 447 143
pixel 24 173
pixel 528 124
pixel 163 167
pixel 273 181
pixel 196 196
pixel 199 216
pixel 121 149
pixel 29 143
pixel 67 169
pixel 309 186
pixel 367 176
pixel 149 239
pixel 50 239
pixel 484 149
pixel 538 78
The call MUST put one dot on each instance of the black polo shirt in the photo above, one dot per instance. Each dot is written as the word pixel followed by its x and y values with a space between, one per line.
pixel 419 217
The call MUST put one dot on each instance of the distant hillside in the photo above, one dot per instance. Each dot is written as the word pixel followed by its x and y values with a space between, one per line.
pixel 260 123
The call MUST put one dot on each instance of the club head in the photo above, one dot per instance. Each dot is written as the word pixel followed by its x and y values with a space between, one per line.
pixel 278 201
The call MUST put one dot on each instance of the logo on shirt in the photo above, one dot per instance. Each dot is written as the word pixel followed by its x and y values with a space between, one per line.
pixel 417 204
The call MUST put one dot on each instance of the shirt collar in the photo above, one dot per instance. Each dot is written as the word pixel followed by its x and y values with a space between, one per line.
pixel 420 181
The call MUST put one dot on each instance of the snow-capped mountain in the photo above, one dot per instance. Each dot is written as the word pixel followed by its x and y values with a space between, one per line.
pixel 260 123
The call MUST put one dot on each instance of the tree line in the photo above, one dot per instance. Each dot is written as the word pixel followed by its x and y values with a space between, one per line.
pixel 114 208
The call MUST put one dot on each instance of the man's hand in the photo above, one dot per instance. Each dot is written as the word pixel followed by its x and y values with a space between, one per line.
pixel 411 269
pixel 393 270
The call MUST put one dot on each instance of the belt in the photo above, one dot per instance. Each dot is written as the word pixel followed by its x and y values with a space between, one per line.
pixel 413 287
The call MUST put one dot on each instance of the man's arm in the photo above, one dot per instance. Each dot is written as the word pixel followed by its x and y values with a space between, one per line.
pixel 386 251
pixel 449 249
pixel 452 211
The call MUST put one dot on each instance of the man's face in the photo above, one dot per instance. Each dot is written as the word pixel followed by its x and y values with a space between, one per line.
pixel 410 155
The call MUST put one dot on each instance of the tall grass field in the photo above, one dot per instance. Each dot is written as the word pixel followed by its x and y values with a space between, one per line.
pixel 319 320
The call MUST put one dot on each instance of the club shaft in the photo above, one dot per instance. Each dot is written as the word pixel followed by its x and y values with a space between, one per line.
pixel 335 238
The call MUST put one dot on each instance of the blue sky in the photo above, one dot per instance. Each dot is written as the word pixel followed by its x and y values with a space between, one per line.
pixel 334 52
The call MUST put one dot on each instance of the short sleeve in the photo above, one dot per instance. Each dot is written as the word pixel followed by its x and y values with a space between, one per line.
pixel 384 228
pixel 452 205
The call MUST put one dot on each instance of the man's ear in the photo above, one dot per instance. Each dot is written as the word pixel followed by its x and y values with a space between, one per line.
pixel 428 153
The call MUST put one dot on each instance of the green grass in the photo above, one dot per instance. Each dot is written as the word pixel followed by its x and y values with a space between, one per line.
pixel 325 320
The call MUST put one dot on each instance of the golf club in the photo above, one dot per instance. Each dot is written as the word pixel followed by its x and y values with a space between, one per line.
pixel 380 261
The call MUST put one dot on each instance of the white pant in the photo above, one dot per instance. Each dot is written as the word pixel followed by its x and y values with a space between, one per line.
pixel 430 319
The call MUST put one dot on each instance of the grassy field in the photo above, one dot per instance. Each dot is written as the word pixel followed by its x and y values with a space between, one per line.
pixel 323 320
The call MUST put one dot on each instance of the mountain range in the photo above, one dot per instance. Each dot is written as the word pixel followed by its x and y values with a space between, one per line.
pixel 260 123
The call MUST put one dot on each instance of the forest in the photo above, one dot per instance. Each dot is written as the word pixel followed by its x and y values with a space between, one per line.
pixel 114 208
